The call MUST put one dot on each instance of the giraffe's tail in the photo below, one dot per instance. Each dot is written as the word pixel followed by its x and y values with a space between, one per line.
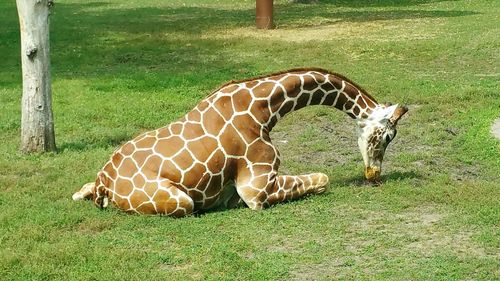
pixel 99 192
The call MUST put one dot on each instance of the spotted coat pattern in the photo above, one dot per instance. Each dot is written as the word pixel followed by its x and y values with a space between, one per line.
pixel 220 153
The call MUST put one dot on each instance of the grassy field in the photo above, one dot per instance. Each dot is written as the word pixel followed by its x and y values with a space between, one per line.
pixel 123 67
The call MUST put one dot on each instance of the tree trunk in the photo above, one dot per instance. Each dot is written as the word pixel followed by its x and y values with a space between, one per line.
pixel 37 124
pixel 264 14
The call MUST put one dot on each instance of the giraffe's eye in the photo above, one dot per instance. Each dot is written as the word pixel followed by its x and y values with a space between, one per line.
pixel 388 138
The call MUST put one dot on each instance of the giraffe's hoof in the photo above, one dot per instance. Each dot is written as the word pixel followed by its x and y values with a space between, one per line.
pixel 323 183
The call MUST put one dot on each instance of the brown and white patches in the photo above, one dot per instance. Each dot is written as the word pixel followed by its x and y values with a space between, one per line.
pixel 340 101
pixel 146 208
pixel 127 168
pixel 193 116
pixel 169 170
pixel 292 85
pixel 286 107
pixel 216 162
pixel 192 131
pixel 176 128
pixel 224 106
pixel 302 101
pixel 317 97
pixel 202 147
pixel 247 127
pixel 260 111
pixel 202 106
pixel 163 133
pixel 198 196
pixel 110 170
pixel 259 151
pixel 183 159
pixel 241 100
pixel 127 149
pixel 140 156
pixel 169 147
pixel 152 165
pixel 229 89
pixel 165 202
pixel 213 188
pixel 120 202
pixel 192 175
pixel 263 89
pixel 117 158
pixel 138 197
pixel 231 142
pixel 276 99
pixel 309 83
pixel 123 187
pixel 212 122
pixel 146 142
pixel 139 181
pixel 226 137
pixel 263 169
pixel 330 98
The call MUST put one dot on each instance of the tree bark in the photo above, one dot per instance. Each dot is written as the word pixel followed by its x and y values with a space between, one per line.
pixel 37 124
pixel 264 14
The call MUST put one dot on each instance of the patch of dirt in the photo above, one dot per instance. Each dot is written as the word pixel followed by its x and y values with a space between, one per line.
pixel 318 141
pixel 495 128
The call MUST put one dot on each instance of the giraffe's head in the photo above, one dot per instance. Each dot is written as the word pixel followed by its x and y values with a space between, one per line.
pixel 374 135
pixel 94 191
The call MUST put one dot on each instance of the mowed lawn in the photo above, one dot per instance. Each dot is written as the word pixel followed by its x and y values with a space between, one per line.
pixel 120 68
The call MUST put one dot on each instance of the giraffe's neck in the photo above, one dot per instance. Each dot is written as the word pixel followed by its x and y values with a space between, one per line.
pixel 294 90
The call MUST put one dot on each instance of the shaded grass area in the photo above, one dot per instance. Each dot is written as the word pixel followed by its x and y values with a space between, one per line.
pixel 121 68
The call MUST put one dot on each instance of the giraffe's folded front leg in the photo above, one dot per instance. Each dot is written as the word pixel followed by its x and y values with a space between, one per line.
pixel 292 187
pixel 259 194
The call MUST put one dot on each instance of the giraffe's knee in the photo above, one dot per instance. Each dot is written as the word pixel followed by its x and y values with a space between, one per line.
pixel 254 198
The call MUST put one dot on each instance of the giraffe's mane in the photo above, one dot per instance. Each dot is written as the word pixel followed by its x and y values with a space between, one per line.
pixel 300 69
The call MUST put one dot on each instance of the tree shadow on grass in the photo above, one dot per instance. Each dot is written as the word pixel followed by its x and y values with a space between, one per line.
pixel 380 3
pixel 104 40
pixel 123 39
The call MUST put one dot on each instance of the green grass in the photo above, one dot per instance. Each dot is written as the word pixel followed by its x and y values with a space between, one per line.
pixel 123 67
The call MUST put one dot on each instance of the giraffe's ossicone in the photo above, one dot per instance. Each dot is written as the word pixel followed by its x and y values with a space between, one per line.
pixel 220 152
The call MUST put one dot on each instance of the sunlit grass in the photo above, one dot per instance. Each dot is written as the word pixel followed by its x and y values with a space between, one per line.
pixel 121 68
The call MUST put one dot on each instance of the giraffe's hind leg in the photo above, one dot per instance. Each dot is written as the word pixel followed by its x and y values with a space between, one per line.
pixel 85 192
pixel 268 189
pixel 156 197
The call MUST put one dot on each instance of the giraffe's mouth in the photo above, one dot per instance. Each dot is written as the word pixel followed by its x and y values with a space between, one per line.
pixel 372 174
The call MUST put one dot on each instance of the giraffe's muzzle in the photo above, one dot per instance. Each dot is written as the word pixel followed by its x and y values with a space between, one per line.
pixel 372 174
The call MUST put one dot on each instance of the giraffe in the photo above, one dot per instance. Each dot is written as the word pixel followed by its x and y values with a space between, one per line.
pixel 220 153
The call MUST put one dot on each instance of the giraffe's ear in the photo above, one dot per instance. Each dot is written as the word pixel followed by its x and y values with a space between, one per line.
pixel 383 114
pixel 400 111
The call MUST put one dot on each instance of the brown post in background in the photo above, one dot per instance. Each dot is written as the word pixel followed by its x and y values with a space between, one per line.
pixel 264 14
